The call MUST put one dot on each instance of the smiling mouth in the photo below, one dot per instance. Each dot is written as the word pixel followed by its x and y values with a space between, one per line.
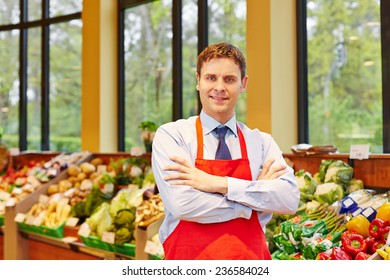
pixel 218 99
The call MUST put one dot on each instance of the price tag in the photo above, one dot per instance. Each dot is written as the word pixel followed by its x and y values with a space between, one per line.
pixel 10 202
pixel 30 220
pixel 72 221
pixel 108 236
pixel 101 168
pixel 369 213
pixel 17 191
pixel 108 188
pixel 20 217
pixel 154 248
pixel 84 230
pixel 4 195
pixel 348 202
pixel 357 212
pixel 38 220
pixel 359 151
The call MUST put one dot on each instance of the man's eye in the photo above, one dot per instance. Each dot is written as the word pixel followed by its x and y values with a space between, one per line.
pixel 229 80
pixel 211 78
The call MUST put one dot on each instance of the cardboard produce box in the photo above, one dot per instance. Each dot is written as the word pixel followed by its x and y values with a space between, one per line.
pixel 143 234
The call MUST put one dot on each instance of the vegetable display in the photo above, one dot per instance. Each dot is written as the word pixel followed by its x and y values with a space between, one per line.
pixel 337 218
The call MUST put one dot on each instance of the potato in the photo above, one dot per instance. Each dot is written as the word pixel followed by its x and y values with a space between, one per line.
pixel 73 170
pixel 52 189
pixel 97 161
pixel 87 168
pixel 64 185
pixel 81 176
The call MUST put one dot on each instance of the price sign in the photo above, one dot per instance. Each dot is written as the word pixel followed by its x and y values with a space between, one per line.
pixel 84 230
pixel 20 217
pixel 108 236
pixel 359 152
pixel 72 221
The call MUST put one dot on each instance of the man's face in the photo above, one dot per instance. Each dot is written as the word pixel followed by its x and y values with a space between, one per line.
pixel 219 86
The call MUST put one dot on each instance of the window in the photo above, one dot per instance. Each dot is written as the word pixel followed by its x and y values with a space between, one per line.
pixel 342 82
pixel 40 77
pixel 159 42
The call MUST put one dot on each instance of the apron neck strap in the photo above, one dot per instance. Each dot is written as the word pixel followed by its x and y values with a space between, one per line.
pixel 199 136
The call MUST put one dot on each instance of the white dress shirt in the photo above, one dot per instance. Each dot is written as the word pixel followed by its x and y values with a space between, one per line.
pixel 186 203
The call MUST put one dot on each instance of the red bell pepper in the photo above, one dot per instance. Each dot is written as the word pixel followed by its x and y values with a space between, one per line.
pixel 354 244
pixel 385 233
pixel 378 244
pixel 339 254
pixel 324 256
pixel 346 234
pixel 376 227
pixel 362 256
pixel 370 241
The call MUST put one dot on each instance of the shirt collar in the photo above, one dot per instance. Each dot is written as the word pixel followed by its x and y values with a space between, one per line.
pixel 209 124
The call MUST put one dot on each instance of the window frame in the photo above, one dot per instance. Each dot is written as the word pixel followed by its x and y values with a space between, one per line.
pixel 302 71
pixel 23 26
pixel 177 42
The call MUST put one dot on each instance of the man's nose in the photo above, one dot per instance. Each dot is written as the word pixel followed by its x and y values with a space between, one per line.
pixel 219 85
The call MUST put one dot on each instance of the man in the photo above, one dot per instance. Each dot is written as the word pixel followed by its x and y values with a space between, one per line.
pixel 218 208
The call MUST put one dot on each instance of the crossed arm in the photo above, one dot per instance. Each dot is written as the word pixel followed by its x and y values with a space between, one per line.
pixel 187 174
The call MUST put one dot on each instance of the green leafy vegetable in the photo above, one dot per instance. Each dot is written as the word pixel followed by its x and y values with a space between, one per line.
pixel 329 193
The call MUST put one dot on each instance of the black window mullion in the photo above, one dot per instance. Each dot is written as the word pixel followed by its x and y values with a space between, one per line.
pixel 203 34
pixel 23 79
pixel 121 80
pixel 177 76
pixel 385 41
pixel 45 61
pixel 303 105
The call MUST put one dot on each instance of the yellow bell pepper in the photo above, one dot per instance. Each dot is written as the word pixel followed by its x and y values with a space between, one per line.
pixel 360 224
pixel 383 212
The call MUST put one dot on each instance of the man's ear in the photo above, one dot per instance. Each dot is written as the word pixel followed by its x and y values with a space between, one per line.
pixel 197 81
pixel 244 83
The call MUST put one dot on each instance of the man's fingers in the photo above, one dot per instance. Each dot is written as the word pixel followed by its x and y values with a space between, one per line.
pixel 277 174
pixel 181 161
pixel 266 168
pixel 277 168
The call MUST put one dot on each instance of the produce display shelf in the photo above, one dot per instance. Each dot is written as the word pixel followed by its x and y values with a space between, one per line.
pixel 75 246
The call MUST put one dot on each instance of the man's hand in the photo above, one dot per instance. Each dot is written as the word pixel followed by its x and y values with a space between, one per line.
pixel 189 175
pixel 271 171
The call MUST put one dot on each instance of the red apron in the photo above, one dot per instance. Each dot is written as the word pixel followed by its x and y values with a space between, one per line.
pixel 235 239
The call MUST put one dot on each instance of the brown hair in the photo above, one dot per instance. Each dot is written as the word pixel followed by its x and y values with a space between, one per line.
pixel 222 50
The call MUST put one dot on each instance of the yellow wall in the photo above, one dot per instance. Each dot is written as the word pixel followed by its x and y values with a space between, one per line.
pixel 99 76
pixel 271 53
pixel 272 70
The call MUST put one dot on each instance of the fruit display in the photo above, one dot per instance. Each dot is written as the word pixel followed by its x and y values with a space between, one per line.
pixel 17 183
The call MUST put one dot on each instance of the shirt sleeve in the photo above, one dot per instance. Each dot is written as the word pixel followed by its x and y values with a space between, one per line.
pixel 279 195
pixel 184 202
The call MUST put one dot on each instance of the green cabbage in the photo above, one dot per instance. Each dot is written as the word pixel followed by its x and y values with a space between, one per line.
pixel 336 171
pixel 329 193
pixel 306 184
pixel 356 184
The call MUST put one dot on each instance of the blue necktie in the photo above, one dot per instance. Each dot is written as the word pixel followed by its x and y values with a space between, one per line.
pixel 222 149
